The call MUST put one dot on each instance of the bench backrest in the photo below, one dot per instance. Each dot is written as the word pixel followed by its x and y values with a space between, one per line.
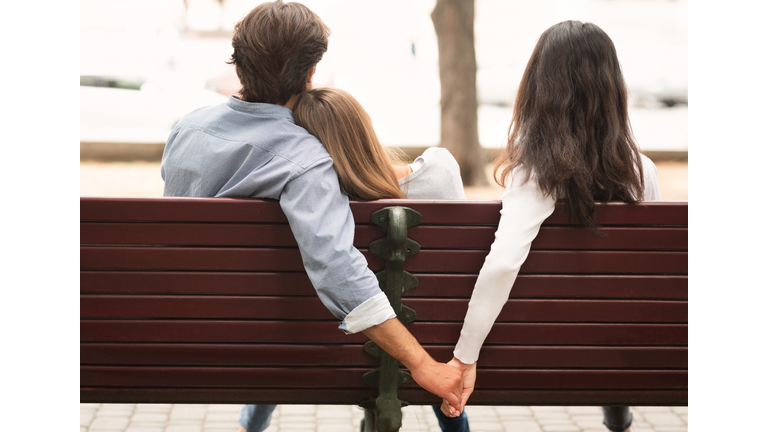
pixel 204 300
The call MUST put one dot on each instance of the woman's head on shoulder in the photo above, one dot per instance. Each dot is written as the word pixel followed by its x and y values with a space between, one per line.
pixel 345 129
pixel 570 128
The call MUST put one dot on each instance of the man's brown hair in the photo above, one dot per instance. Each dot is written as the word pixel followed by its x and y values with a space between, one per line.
pixel 275 47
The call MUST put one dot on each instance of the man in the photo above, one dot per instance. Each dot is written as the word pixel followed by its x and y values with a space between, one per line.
pixel 250 147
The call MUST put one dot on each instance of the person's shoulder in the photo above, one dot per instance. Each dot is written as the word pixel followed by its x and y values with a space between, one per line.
pixel 648 165
pixel 439 154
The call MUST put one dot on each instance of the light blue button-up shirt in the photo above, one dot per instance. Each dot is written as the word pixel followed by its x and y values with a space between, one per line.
pixel 242 149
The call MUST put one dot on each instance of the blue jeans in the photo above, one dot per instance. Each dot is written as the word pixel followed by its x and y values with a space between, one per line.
pixel 256 418
pixel 451 424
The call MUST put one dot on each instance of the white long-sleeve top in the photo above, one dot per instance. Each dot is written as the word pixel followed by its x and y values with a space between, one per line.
pixel 523 209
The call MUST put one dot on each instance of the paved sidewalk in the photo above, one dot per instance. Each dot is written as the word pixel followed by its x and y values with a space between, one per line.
pixel 343 418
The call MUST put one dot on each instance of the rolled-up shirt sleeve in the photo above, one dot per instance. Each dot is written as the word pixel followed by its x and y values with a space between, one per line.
pixel 322 223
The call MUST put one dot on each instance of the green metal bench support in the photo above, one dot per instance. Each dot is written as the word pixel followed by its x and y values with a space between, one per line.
pixel 384 414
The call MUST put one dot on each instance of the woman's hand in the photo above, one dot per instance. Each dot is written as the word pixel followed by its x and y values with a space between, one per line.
pixel 468 375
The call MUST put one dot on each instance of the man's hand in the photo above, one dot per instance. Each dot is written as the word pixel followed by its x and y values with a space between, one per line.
pixel 468 375
pixel 439 379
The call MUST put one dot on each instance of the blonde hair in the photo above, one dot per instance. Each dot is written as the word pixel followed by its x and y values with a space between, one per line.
pixel 339 121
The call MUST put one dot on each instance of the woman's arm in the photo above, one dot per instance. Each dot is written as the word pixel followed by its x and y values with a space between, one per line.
pixel 524 209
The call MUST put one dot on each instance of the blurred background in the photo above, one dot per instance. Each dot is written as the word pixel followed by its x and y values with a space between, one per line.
pixel 146 63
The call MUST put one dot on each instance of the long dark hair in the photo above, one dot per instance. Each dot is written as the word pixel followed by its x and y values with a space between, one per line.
pixel 570 129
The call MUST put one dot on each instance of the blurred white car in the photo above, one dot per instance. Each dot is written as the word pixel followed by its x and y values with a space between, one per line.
pixel 134 109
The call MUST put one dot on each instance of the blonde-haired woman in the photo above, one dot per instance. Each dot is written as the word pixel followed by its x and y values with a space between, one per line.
pixel 368 171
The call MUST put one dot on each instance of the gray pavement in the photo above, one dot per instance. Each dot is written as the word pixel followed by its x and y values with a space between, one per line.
pixel 344 418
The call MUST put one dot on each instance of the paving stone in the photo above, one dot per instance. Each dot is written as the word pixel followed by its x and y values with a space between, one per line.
pixel 335 427
pixel 594 424
pixel 684 418
pixel 185 428
pixel 153 408
pixel 554 421
pixel 509 419
pixel 89 405
pixel 221 416
pixel 587 417
pixel 641 429
pixel 481 426
pixel 188 412
pixel 680 410
pixel 221 425
pixel 295 418
pixel 584 410
pixel 481 411
pixel 298 425
pixel 521 426
pixel 538 409
pixel 108 423
pixel 298 409
pixel 119 406
pixel 145 428
pixel 114 412
pixel 333 413
pixel 149 417
pixel 513 410
pixel 224 408
pixel 671 429
pixel 663 419
pixel 85 418
pixel 272 428
pixel 653 409
pixel 82 429
pixel 561 428
pixel 551 415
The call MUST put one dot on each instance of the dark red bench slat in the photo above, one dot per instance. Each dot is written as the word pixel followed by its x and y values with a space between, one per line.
pixel 415 396
pixel 310 308
pixel 268 259
pixel 433 211
pixel 327 332
pixel 434 237
pixel 558 397
pixel 353 355
pixel 430 285
pixel 277 377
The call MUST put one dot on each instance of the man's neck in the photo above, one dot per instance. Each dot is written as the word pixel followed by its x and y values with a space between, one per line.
pixel 291 102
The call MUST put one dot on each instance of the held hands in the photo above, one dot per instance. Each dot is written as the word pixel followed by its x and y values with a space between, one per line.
pixel 440 379
pixel 468 375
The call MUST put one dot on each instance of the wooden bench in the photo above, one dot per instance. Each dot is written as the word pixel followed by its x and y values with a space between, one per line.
pixel 204 300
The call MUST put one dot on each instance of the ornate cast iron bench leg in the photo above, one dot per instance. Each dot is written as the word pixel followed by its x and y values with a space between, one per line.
pixel 384 413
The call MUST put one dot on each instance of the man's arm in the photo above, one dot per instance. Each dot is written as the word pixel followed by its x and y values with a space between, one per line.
pixel 437 378
pixel 322 223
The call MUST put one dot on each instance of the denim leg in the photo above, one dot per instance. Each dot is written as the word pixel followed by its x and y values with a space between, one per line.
pixel 451 424
pixel 255 418
pixel 617 419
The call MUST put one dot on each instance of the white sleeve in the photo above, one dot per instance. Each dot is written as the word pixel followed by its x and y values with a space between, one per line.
pixel 651 191
pixel 524 209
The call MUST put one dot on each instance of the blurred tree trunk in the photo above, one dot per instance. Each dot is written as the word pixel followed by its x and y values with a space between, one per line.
pixel 454 22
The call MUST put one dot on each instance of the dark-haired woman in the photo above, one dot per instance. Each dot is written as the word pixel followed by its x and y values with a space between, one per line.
pixel 570 141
